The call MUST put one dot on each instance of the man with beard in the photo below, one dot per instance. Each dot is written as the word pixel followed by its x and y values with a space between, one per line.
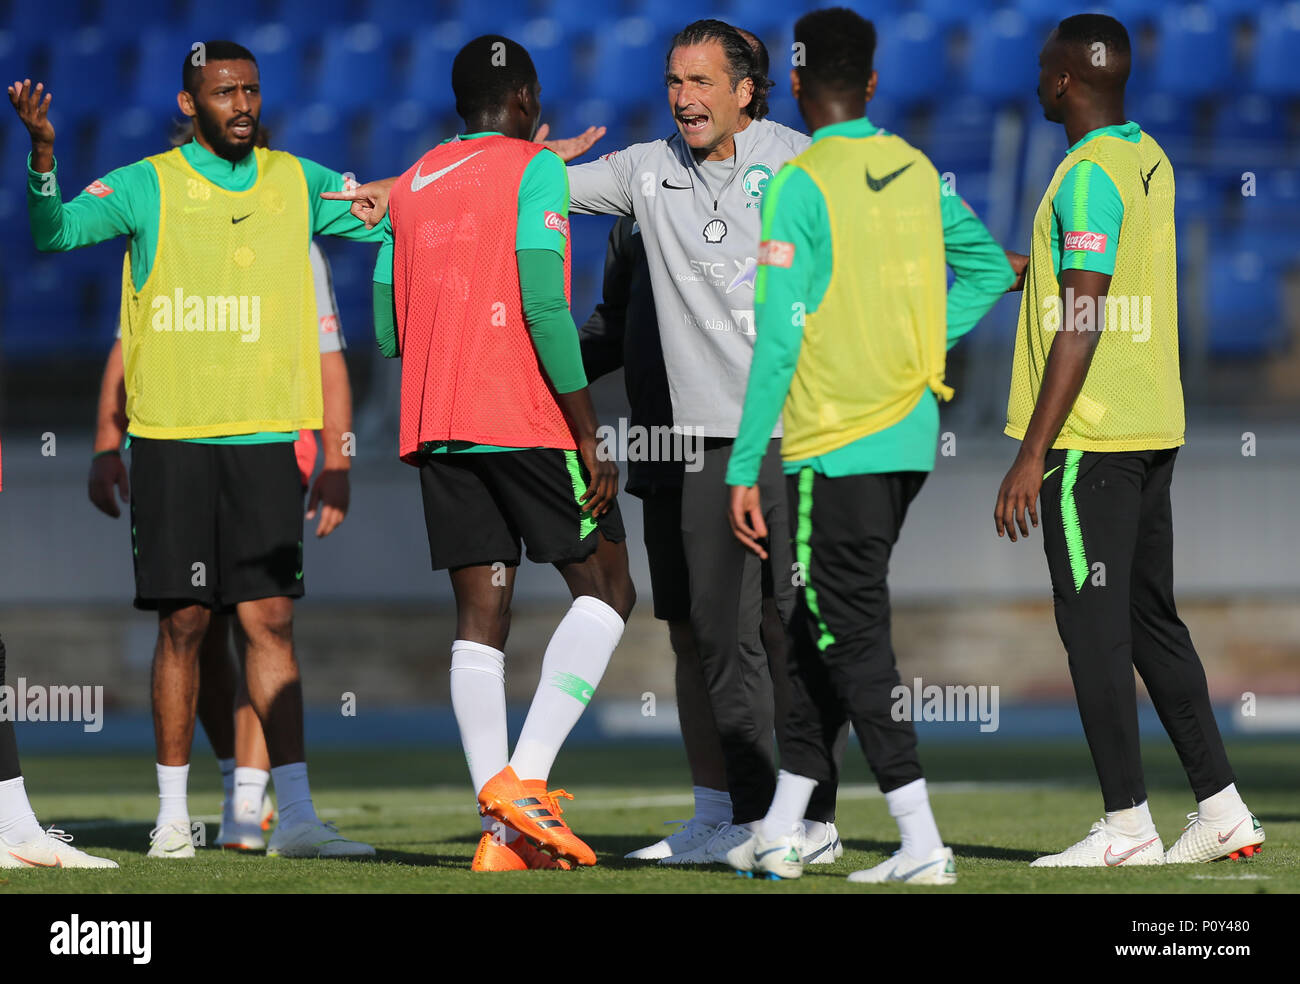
pixel 222 369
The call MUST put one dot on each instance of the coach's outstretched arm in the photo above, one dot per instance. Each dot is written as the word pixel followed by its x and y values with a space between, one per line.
pixel 370 200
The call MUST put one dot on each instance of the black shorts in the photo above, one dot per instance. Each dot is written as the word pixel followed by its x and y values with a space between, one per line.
pixel 669 578
pixel 216 524
pixel 479 505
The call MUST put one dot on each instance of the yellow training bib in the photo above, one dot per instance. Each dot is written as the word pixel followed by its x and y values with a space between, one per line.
pixel 222 338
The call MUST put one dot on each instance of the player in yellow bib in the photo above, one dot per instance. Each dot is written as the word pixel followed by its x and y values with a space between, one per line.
pixel 1098 406
pixel 222 367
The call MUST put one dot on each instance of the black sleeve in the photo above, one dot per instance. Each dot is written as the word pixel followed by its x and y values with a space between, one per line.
pixel 601 337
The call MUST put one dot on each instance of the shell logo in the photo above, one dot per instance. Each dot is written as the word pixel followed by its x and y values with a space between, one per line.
pixel 715 231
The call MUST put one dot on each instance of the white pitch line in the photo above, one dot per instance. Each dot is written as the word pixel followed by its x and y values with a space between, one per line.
pixel 606 802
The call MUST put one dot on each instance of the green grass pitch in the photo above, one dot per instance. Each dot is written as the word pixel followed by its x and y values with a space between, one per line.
pixel 999 805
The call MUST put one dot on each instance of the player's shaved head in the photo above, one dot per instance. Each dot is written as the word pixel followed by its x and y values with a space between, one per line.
pixel 1085 61
pixel 488 76
pixel 837 47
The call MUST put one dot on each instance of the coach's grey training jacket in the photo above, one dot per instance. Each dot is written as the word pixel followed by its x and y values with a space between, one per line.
pixel 701 229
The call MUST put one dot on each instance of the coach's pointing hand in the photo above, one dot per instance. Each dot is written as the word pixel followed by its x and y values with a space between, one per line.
pixel 746 516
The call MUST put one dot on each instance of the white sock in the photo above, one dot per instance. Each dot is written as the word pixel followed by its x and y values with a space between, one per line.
pixel 1223 807
pixel 1132 822
pixel 17 820
pixel 575 661
pixel 249 786
pixel 173 803
pixel 227 767
pixel 789 803
pixel 814 830
pixel 293 793
pixel 478 698
pixel 910 807
pixel 712 806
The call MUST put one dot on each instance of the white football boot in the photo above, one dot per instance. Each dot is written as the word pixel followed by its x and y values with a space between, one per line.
pixel 826 850
pixel 315 839
pixel 714 851
pixel 698 853
pixel 1201 841
pixel 53 849
pixel 1105 847
pixel 773 860
pixel 693 833
pixel 171 840
pixel 237 835
pixel 940 868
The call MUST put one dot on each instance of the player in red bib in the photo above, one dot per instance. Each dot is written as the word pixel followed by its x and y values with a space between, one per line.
pixel 471 291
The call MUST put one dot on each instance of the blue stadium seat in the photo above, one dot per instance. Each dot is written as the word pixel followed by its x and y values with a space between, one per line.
pixel 355 67
pixel 1002 57
pixel 628 63
pixel 78 93
pixel 278 50
pixel 223 21
pixel 125 138
pixel 318 134
pixel 44 317
pixel 125 19
pixel 1245 311
pixel 160 56
pixel 312 17
pixel 1276 43
pixel 959 137
pixel 428 70
pixel 1249 118
pixel 910 58
pixel 1194 56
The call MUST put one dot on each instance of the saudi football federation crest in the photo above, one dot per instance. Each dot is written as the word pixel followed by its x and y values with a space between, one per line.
pixel 755 180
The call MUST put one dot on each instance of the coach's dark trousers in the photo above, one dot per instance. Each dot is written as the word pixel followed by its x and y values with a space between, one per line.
pixel 842 662
pixel 745 674
pixel 1108 534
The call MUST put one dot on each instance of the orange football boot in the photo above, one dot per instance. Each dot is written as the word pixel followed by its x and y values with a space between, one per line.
pixel 518 855
pixel 531 809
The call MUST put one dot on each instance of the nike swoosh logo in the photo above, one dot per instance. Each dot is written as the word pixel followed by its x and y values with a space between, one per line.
pixel 904 877
pixel 819 852
pixel 58 862
pixel 1110 860
pixel 1045 474
pixel 878 184
pixel 1223 838
pixel 419 180
pixel 1146 181
pixel 236 221
pixel 675 187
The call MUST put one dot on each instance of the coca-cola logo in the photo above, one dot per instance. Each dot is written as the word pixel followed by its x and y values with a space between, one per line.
pixel 556 221
pixel 774 252
pixel 1092 242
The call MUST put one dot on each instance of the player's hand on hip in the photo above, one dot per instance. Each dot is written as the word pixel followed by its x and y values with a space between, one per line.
pixel 108 472
pixel 332 493
pixel 745 514
pixel 32 103
pixel 1018 497
pixel 569 147
pixel 1019 264
pixel 369 201
pixel 602 485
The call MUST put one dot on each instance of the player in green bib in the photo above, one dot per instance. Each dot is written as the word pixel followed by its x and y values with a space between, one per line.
pixel 222 367
pixel 1097 403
